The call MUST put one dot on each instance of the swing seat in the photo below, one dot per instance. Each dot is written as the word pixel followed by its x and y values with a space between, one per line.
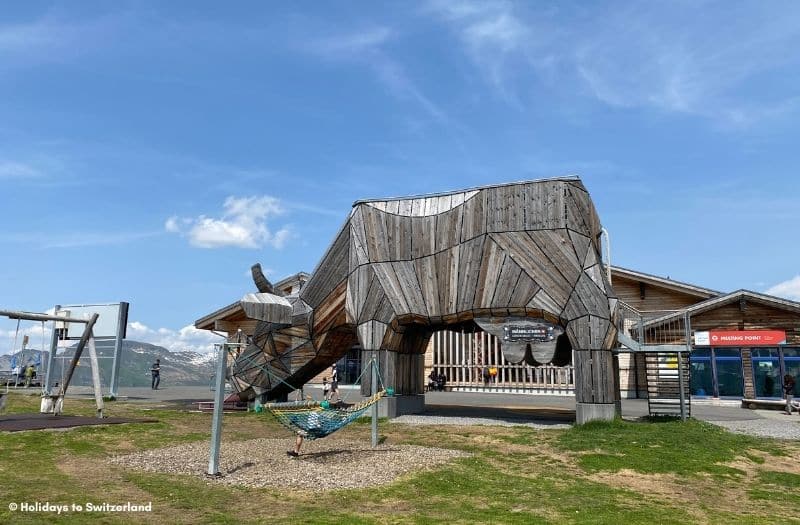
pixel 310 420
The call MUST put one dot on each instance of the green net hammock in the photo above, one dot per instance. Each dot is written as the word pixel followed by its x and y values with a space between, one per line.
pixel 310 420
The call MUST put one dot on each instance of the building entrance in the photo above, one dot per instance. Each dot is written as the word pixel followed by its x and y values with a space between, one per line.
pixel 717 372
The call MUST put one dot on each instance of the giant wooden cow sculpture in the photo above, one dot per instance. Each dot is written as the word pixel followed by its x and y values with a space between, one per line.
pixel 401 268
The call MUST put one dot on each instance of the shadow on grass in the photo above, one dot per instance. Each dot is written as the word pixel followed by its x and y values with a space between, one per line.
pixel 347 452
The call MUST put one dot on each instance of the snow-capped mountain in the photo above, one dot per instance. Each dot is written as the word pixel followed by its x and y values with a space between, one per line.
pixel 177 368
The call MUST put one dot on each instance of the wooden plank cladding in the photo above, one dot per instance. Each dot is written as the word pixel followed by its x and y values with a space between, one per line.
pixel 399 269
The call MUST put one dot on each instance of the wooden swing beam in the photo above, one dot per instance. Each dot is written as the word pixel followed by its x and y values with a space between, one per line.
pixel 85 338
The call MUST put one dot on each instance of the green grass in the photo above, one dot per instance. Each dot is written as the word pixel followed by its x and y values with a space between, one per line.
pixel 515 475
pixel 660 447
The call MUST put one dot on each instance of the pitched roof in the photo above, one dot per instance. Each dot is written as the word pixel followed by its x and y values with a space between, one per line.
pixel 722 300
pixel 298 277
pixel 207 322
pixel 679 286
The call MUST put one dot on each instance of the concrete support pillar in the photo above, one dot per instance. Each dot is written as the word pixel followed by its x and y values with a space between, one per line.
pixel 402 372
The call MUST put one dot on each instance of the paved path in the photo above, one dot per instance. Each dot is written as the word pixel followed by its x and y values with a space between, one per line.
pixel 508 408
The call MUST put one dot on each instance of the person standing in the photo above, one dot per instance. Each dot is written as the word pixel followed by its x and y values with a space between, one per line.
pixel 29 372
pixel 155 371
pixel 326 389
pixel 788 391
pixel 335 383
pixel 15 373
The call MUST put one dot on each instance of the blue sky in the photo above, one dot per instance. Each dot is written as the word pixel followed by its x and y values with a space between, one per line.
pixel 151 152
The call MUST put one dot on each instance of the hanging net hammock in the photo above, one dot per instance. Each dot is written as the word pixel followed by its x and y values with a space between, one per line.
pixel 312 421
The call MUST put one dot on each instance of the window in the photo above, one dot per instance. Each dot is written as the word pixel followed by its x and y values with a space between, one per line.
pixel 769 367
pixel 717 372
pixel 702 375
pixel 349 366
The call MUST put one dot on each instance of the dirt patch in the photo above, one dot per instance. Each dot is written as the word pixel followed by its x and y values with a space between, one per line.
pixel 662 486
pixel 323 465
pixel 788 464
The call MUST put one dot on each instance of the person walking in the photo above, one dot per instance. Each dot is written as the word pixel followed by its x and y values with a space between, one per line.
pixel 788 391
pixel 155 371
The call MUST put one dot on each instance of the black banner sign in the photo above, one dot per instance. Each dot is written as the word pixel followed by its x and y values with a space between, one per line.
pixel 531 333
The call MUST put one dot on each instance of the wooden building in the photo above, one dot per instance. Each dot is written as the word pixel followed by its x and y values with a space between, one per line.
pixel 498 288
pixel 749 370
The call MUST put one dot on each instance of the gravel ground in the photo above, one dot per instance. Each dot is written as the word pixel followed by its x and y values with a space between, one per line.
pixel 466 421
pixel 323 464
pixel 788 428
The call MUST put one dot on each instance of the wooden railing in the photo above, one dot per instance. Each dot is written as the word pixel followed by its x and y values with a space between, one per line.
pixel 467 358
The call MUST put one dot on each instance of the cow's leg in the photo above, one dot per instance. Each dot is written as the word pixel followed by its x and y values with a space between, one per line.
pixel 596 379
pixel 400 358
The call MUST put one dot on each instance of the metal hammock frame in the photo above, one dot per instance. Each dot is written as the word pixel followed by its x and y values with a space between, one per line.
pixel 310 418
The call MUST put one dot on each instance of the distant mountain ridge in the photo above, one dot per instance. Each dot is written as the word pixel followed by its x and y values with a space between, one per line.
pixel 177 368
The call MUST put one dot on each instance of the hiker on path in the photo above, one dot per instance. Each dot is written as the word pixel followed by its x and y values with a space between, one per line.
pixel 155 370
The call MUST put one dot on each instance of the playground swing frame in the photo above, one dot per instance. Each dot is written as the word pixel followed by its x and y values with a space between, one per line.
pixel 53 402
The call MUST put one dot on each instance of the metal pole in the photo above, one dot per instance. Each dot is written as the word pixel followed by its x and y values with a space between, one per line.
pixel 87 332
pixel 374 390
pixel 608 254
pixel 51 359
pixel 122 320
pixel 219 399
pixel 680 384
pixel 98 387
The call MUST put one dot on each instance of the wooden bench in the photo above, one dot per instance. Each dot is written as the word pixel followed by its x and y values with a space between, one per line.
pixel 777 404
pixel 208 406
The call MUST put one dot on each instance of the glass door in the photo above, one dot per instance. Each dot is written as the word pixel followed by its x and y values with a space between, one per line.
pixel 702 384
pixel 767 372
pixel 791 365
pixel 730 377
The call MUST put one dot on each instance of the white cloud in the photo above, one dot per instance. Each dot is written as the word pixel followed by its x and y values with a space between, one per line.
pixel 18 170
pixel 346 45
pixel 55 38
pixel 187 338
pixel 172 225
pixel 499 41
pixel 138 329
pixel 367 47
pixel 643 55
pixel 11 340
pixel 243 224
pixel 789 289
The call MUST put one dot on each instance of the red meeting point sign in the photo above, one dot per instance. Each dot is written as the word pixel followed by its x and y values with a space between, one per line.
pixel 747 337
